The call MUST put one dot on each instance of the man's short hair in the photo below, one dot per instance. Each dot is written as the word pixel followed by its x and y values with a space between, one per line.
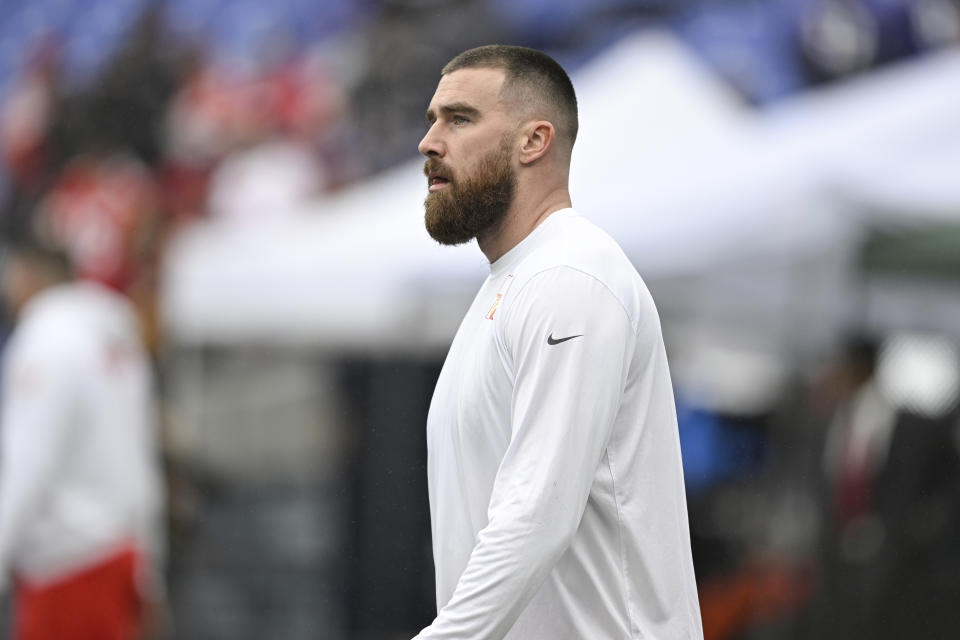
pixel 532 78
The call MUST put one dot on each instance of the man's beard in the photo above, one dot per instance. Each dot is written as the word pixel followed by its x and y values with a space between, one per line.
pixel 472 206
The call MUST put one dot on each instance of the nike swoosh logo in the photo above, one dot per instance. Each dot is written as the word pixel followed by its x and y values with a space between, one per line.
pixel 551 340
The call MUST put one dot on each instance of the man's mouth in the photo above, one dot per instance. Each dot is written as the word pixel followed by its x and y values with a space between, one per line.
pixel 436 182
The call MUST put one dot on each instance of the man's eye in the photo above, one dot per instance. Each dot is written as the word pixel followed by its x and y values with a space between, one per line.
pixel 459 120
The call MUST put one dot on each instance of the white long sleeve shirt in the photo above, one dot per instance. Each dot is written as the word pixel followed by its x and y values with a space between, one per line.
pixel 556 490
pixel 78 470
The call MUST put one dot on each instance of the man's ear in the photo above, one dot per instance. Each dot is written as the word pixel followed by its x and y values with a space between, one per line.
pixel 538 137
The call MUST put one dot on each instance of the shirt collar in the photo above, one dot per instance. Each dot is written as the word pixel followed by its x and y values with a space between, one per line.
pixel 523 248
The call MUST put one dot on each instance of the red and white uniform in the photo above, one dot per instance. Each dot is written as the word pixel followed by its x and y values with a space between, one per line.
pixel 556 490
pixel 80 490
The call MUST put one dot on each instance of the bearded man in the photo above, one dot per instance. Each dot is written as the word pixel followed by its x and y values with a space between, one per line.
pixel 556 490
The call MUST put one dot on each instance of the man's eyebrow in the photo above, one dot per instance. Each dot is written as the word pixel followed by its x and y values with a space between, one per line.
pixel 454 107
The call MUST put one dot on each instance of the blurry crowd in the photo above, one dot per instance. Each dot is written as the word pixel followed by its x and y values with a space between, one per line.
pixel 837 503
pixel 159 137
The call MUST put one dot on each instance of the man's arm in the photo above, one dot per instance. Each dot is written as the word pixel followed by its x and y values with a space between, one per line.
pixel 566 396
pixel 38 398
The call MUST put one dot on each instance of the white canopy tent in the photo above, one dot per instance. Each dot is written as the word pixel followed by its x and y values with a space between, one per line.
pixel 724 210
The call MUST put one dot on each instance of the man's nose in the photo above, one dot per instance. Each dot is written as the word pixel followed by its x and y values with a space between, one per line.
pixel 431 145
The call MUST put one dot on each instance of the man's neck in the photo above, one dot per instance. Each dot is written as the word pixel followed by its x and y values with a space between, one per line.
pixel 520 221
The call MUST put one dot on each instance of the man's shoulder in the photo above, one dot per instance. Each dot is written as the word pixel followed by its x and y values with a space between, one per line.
pixel 575 244
pixel 579 257
pixel 70 321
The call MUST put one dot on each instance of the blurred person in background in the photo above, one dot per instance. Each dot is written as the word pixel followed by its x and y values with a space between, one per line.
pixel 890 538
pixel 856 421
pixel 80 491
pixel 556 489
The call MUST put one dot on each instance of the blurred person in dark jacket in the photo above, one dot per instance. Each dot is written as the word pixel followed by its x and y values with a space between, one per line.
pixel 890 534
